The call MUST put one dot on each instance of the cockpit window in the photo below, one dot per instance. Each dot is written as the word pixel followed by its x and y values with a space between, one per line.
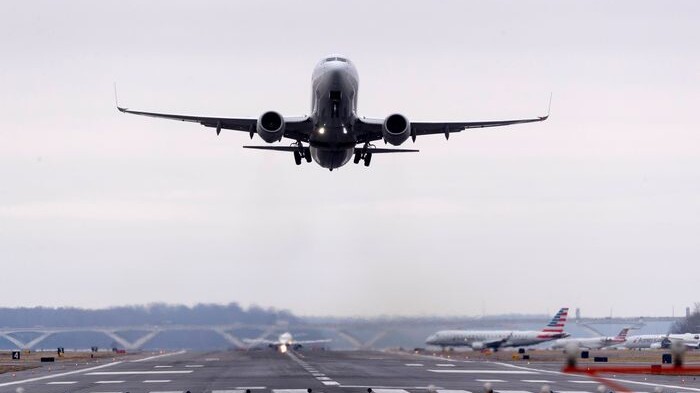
pixel 337 59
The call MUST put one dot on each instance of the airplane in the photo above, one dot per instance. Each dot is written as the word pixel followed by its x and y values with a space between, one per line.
pixel 284 342
pixel 331 134
pixel 592 342
pixel 495 339
pixel 659 341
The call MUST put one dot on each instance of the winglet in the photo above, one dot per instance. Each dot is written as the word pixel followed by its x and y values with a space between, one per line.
pixel 116 99
pixel 549 106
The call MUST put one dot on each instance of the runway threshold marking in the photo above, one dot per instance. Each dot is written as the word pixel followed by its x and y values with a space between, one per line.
pixel 59 375
pixel 149 372
pixel 484 371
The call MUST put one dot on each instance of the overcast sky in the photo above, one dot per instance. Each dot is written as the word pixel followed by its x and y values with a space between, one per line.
pixel 597 208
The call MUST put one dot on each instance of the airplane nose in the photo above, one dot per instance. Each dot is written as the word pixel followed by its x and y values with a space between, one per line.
pixel 430 339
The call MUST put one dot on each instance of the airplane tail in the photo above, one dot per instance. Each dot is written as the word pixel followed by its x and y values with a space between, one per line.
pixel 556 325
pixel 623 334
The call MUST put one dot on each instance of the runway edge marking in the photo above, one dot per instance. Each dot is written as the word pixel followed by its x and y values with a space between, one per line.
pixel 59 375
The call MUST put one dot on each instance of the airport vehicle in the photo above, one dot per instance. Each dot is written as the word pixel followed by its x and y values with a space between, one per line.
pixel 331 134
pixel 592 342
pixel 284 341
pixel 495 339
pixel 658 341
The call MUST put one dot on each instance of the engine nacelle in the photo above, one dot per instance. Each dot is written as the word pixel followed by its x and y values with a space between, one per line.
pixel 477 346
pixel 270 127
pixel 656 346
pixel 396 129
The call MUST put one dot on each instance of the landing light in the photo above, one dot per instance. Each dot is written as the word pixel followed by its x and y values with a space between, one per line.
pixel 322 130
pixel 345 130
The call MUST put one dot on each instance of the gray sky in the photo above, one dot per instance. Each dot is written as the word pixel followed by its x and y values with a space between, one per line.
pixel 599 207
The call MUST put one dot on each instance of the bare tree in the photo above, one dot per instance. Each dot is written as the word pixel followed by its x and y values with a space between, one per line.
pixel 689 324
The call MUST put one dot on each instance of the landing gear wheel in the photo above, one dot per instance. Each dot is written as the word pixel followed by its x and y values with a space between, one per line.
pixel 358 157
pixel 297 158
pixel 307 154
pixel 368 158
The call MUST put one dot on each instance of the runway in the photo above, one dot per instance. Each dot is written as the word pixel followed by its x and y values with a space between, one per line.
pixel 322 371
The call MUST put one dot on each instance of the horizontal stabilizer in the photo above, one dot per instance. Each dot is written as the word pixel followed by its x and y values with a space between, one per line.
pixel 374 150
pixel 379 150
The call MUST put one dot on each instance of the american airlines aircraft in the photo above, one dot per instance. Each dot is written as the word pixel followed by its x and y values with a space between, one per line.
pixel 495 339
pixel 284 342
pixel 658 341
pixel 592 342
pixel 331 134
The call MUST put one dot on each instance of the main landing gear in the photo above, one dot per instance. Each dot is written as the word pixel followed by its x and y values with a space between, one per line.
pixel 303 152
pixel 363 154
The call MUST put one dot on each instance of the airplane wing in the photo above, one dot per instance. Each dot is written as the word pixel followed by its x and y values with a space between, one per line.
pixel 307 342
pixel 297 128
pixel 371 129
pixel 259 341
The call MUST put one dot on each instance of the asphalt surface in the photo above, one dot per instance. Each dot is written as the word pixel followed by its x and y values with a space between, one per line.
pixel 322 371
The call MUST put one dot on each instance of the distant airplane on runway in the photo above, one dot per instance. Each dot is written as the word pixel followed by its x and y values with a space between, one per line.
pixel 334 129
pixel 284 341
pixel 592 342
pixel 495 339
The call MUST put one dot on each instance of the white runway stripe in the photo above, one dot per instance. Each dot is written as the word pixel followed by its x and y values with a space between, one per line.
pixel 585 381
pixel 157 380
pixel 414 364
pixel 140 372
pixel 490 380
pixel 21 381
pixel 484 371
pixel 158 356
pixel 108 382
pixel 250 387
pixel 537 381
pixel 163 366
pixel 61 383
pixel 330 383
pixel 289 390
pixel 454 391
pixel 445 365
pixel 169 391
pixel 513 391
pixel 228 391
pixel 390 391
pixel 194 365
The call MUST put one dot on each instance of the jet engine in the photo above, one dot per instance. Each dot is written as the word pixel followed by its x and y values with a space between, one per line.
pixel 396 129
pixel 477 346
pixel 271 127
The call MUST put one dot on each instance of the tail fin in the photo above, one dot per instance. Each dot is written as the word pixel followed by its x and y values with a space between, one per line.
pixel 623 333
pixel 556 325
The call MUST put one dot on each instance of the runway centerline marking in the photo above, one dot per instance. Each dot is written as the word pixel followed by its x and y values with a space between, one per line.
pixel 583 382
pixel 513 391
pixel 330 383
pixel 194 365
pixel 414 364
pixel 163 366
pixel 483 371
pixel 228 391
pixel 445 365
pixel 61 382
pixel 490 380
pixel 157 380
pixel 149 372
pixel 250 387
pixel 108 382
pixel 290 390
pixel 537 381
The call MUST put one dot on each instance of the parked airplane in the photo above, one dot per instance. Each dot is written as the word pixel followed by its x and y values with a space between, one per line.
pixel 592 342
pixel 330 134
pixel 284 342
pixel 658 341
pixel 495 339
